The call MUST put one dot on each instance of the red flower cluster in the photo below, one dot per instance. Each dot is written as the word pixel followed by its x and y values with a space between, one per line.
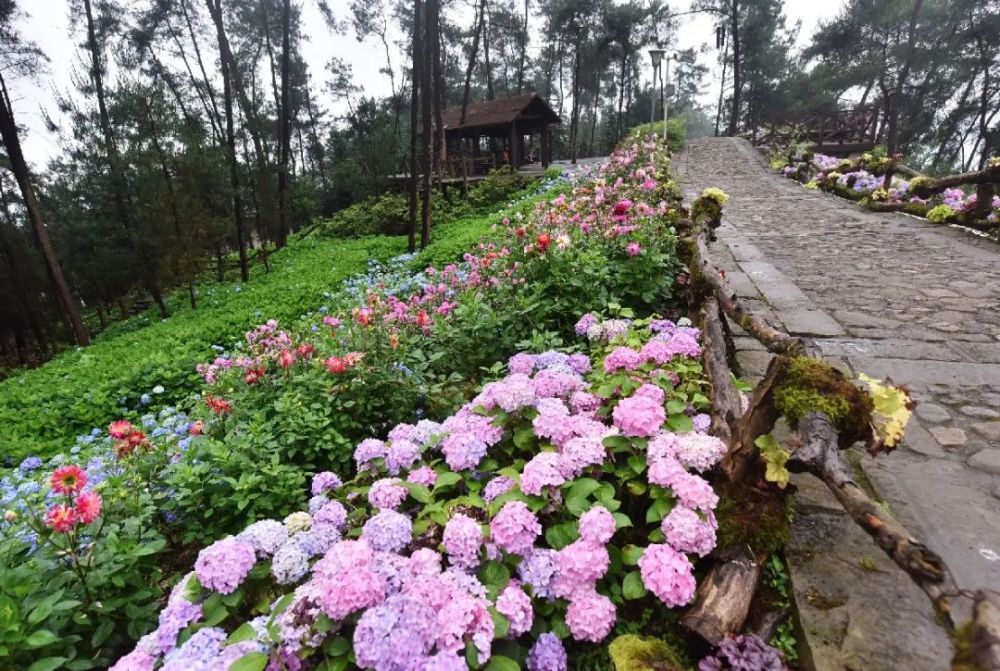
pixel 83 506
pixel 254 375
pixel 128 438
pixel 219 406
pixel 341 364
pixel 543 240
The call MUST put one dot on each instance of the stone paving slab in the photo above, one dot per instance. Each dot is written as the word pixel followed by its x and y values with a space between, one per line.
pixel 888 295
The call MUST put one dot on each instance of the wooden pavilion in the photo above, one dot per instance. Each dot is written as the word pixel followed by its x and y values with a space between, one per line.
pixel 493 133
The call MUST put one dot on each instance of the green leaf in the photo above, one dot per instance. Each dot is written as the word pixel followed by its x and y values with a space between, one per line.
pixel 680 423
pixel 255 661
pixel 102 633
pixel 658 510
pixel 243 633
pixel 501 663
pixel 446 479
pixel 776 457
pixel 637 464
pixel 561 535
pixel 471 655
pixel 631 554
pixel 494 574
pixel 39 638
pixel 632 586
pixel 419 492
pixel 337 647
pixel 501 625
pixel 621 520
pixel 41 611
pixel 582 488
pixel 48 664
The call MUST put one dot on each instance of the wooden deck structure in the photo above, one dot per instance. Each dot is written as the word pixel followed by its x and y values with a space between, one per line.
pixel 840 133
pixel 492 133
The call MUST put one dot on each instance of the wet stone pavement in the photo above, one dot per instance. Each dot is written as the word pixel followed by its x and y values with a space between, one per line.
pixel 890 296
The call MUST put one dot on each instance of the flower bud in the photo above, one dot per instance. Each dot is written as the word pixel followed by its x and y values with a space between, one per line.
pixel 9 516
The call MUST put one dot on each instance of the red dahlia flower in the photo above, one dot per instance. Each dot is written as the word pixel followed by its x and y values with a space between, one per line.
pixel 544 240
pixel 88 507
pixel 120 429
pixel 305 350
pixel 336 365
pixel 61 518
pixel 68 479
pixel 197 428
pixel 286 358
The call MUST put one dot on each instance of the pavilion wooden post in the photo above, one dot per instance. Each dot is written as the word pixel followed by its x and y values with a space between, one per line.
pixel 546 146
pixel 514 146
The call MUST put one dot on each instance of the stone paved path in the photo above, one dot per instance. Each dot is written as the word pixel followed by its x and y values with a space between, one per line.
pixel 888 295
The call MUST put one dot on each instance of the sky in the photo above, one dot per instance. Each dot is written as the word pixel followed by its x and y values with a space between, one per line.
pixel 48 24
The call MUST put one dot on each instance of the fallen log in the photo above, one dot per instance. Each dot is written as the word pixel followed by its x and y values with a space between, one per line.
pixel 759 419
pixel 925 187
pixel 723 599
pixel 819 455
pixel 726 406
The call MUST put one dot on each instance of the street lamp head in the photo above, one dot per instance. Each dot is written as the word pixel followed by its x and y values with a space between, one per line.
pixel 657 56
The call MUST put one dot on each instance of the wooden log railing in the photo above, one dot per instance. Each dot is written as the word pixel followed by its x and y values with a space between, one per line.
pixel 723 599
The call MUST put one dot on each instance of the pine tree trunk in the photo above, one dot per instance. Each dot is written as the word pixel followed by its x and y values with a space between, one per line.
pixel 234 170
pixel 8 128
pixel 286 134
pixel 416 77
pixel 426 98
pixel 737 69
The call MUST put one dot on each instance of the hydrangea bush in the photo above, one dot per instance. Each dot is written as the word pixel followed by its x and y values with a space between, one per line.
pixel 525 521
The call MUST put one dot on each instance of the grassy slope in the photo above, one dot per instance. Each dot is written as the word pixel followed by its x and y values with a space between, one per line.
pixel 41 410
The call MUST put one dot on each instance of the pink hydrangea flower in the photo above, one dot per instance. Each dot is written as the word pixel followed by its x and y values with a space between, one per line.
pixel 462 539
pixel 425 475
pixel 386 493
pixel 514 604
pixel 686 531
pixel 597 525
pixel 590 616
pixel 515 528
pixel 668 574
pixel 651 391
pixel 699 451
pixel 223 565
pixel 579 453
pixel 580 564
pixel 622 357
pixel 639 416
pixel 541 472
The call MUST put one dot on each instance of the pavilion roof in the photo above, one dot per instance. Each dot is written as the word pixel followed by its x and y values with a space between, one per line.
pixel 499 112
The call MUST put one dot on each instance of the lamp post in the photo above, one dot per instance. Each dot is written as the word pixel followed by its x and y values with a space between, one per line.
pixel 666 68
pixel 656 55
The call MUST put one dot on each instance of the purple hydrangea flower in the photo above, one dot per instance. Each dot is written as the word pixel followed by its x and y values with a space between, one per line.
pixel 388 531
pixel 223 565
pixel 547 654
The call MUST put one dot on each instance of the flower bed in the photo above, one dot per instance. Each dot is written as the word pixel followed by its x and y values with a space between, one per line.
pixel 864 180
pixel 564 495
pixel 293 400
